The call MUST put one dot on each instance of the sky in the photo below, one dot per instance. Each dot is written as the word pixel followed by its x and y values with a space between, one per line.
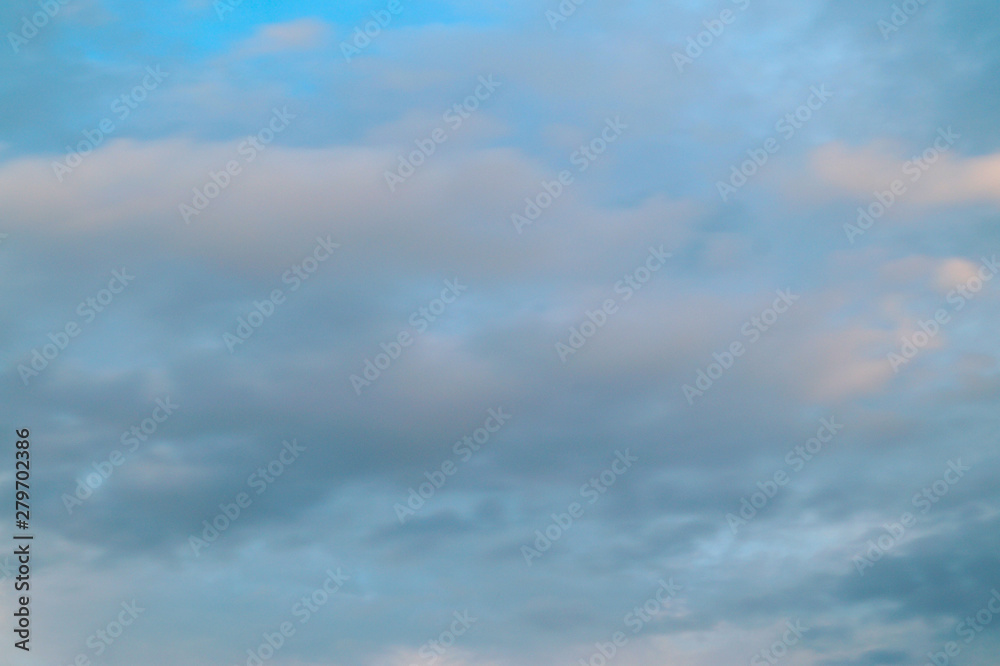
pixel 456 333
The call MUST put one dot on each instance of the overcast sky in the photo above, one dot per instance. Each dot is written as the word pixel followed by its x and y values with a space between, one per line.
pixel 536 315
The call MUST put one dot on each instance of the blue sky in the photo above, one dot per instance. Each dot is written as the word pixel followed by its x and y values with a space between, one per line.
pixel 231 246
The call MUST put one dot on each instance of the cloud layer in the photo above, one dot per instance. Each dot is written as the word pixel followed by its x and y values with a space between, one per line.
pixel 286 298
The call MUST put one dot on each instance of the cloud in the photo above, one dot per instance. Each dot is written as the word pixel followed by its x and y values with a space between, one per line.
pixel 324 176
pixel 928 179
pixel 304 34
